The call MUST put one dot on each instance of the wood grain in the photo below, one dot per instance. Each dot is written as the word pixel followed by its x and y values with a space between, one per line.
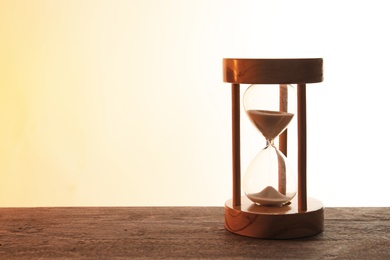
pixel 181 233
pixel 302 147
pixel 272 71
pixel 284 222
pixel 236 145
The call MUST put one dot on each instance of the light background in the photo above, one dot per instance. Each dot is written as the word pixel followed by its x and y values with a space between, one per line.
pixel 122 102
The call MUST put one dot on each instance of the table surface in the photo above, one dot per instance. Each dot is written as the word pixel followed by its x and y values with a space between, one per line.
pixel 180 232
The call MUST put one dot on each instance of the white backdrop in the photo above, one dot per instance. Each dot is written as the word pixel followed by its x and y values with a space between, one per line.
pixel 122 102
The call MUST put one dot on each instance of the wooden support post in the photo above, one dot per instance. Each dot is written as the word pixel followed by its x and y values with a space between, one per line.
pixel 283 107
pixel 302 191
pixel 236 200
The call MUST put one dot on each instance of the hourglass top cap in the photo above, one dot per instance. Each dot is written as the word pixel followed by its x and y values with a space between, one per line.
pixel 273 71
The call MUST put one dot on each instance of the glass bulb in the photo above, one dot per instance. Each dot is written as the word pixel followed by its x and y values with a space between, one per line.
pixel 269 179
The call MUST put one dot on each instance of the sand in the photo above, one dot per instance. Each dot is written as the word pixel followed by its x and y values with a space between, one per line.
pixel 270 123
pixel 270 196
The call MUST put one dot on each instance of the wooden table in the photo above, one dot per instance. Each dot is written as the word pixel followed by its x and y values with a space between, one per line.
pixel 180 232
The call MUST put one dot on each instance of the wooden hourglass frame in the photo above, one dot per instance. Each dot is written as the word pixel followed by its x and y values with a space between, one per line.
pixel 303 216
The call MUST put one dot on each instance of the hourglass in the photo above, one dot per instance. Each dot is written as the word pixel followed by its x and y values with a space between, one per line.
pixel 275 204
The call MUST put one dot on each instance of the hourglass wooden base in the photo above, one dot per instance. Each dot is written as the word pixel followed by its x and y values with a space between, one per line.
pixel 269 222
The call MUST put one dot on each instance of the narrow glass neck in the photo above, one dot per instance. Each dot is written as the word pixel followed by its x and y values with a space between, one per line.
pixel 270 142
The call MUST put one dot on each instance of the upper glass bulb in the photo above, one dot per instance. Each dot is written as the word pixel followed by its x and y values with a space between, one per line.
pixel 270 108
